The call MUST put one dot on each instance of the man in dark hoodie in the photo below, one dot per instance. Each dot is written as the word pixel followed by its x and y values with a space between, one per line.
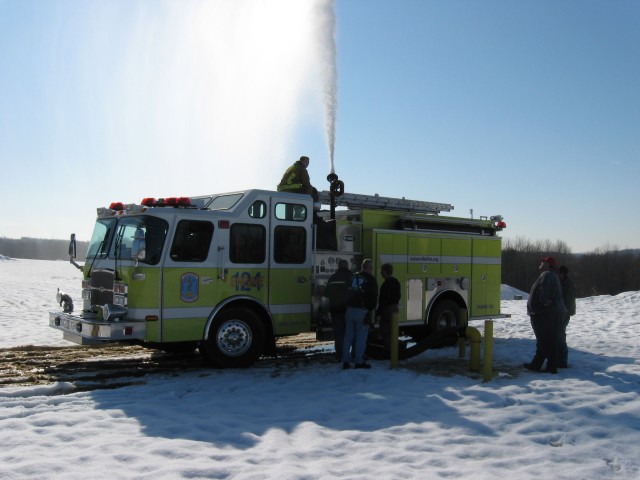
pixel 336 292
pixel 546 309
pixel 390 292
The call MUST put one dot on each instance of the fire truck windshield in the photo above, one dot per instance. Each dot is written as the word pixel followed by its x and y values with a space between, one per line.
pixel 102 234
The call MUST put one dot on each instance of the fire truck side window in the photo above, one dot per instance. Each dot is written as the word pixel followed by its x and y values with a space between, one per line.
pixel 192 241
pixel 258 209
pixel 290 244
pixel 291 212
pixel 154 231
pixel 247 243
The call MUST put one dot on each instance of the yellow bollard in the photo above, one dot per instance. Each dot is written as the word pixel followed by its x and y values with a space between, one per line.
pixel 487 370
pixel 460 322
pixel 393 353
pixel 476 339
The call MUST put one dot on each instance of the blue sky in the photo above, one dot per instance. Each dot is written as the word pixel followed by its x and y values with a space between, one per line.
pixel 528 109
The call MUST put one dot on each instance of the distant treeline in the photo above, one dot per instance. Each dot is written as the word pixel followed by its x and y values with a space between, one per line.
pixel 605 271
pixel 40 249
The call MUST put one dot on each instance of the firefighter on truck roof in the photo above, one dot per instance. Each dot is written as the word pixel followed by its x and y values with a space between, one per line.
pixel 296 179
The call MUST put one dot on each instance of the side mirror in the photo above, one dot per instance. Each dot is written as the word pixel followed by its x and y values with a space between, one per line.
pixel 72 246
pixel 73 251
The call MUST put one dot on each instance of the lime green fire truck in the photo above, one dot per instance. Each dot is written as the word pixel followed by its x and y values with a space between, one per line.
pixel 230 273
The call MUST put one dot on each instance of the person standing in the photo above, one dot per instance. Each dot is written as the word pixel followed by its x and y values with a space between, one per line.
pixel 388 300
pixel 569 298
pixel 336 292
pixel 546 309
pixel 296 179
pixel 362 297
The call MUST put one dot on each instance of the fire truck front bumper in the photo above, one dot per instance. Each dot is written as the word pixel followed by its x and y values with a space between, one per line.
pixel 85 331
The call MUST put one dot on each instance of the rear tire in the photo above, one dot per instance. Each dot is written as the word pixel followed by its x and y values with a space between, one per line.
pixel 235 339
pixel 445 315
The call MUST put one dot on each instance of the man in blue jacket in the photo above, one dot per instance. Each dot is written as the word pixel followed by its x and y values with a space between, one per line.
pixel 362 298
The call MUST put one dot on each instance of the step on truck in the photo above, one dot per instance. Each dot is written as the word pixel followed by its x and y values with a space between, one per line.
pixel 230 273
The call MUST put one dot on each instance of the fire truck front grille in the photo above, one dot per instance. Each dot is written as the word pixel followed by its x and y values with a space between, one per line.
pixel 102 287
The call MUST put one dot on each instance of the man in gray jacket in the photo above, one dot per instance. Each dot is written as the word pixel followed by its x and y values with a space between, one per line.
pixel 546 309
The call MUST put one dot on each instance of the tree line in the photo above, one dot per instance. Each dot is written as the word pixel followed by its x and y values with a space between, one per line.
pixel 40 249
pixel 605 271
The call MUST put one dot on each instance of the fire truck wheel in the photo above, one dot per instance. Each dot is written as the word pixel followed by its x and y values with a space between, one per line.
pixel 235 339
pixel 444 316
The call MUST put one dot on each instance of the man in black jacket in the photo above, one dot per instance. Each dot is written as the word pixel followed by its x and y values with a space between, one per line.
pixel 388 300
pixel 336 292
pixel 546 309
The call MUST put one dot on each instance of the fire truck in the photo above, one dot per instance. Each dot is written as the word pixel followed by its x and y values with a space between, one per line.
pixel 228 274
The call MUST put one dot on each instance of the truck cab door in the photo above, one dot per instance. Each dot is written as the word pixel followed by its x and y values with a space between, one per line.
pixel 290 254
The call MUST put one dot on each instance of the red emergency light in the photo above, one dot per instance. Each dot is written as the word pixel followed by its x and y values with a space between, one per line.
pixel 167 202
pixel 178 201
pixel 117 206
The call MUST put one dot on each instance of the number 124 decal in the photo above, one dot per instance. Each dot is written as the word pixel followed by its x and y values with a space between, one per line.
pixel 244 282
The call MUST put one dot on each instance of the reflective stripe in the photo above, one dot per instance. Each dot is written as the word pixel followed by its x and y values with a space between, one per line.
pixel 436 259
pixel 291 308
pixel 186 312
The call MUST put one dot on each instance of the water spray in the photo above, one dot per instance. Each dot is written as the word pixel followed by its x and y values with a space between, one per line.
pixel 329 71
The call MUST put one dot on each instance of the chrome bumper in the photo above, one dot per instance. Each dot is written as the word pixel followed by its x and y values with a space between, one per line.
pixel 84 331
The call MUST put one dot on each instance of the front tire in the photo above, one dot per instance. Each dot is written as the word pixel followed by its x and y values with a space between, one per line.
pixel 235 339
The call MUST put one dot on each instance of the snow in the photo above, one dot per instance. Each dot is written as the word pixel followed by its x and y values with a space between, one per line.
pixel 313 420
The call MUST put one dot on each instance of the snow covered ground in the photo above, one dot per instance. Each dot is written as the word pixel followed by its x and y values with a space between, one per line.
pixel 317 421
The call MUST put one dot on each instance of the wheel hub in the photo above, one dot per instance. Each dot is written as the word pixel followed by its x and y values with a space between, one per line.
pixel 234 338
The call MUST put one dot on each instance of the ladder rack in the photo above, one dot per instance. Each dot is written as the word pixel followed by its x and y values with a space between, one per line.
pixel 356 200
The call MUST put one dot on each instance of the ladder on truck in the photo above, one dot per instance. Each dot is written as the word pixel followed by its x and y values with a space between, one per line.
pixel 356 200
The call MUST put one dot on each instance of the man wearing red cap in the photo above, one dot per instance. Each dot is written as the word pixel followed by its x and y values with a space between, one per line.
pixel 546 309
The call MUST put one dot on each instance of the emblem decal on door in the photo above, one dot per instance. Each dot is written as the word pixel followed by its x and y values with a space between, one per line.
pixel 189 287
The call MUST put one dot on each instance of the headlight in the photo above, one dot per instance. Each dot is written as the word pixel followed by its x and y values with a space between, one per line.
pixel 112 312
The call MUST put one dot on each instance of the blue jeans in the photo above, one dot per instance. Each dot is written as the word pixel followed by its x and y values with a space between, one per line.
pixel 355 328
